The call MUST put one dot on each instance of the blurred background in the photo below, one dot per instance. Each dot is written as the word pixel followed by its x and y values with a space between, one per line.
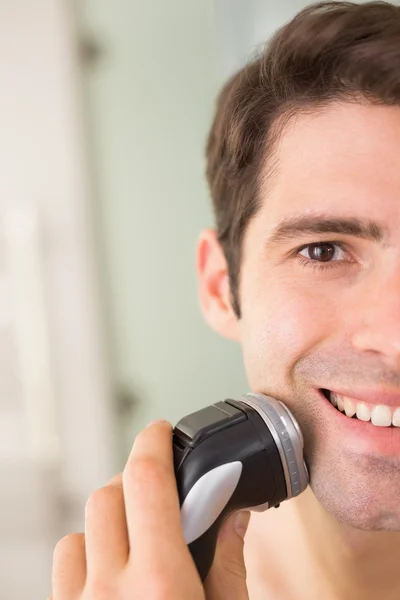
pixel 104 112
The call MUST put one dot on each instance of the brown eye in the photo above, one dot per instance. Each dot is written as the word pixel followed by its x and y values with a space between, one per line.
pixel 322 252
pixel 323 255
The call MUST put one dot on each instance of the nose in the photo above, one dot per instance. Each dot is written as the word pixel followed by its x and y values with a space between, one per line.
pixel 377 320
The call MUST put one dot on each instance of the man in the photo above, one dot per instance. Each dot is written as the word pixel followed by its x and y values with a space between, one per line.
pixel 304 271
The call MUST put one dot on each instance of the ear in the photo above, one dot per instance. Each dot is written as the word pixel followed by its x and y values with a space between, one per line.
pixel 214 289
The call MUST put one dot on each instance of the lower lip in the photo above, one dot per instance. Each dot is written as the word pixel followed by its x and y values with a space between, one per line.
pixel 362 436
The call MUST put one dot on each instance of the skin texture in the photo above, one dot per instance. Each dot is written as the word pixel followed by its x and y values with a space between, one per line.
pixel 303 328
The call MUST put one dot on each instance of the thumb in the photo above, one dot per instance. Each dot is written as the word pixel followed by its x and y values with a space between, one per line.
pixel 227 576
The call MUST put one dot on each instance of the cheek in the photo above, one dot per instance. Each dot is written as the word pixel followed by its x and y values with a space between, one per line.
pixel 280 324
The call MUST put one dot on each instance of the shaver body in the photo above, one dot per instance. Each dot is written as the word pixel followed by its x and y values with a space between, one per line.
pixel 232 455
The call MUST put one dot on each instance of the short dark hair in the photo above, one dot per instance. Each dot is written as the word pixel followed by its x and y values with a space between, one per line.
pixel 329 51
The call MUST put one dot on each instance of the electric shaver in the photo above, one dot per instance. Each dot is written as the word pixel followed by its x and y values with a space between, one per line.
pixel 233 455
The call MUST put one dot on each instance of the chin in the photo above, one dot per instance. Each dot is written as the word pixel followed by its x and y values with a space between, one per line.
pixel 359 497
pixel 354 467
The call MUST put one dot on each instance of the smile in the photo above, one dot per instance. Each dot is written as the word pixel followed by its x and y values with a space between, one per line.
pixel 380 415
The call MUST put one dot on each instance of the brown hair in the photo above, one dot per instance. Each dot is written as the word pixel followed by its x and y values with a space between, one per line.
pixel 329 51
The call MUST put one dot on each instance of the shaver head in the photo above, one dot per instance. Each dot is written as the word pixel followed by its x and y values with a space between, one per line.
pixel 234 455
pixel 288 439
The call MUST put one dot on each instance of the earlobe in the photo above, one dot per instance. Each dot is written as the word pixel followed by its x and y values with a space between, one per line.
pixel 214 288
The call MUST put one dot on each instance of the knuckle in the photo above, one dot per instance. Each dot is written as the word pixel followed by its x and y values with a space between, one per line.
pixel 143 472
pixel 234 567
pixel 68 544
pixel 101 499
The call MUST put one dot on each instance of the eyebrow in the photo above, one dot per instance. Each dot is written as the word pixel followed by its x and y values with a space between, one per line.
pixel 292 227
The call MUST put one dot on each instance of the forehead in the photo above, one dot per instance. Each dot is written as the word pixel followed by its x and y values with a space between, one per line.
pixel 343 158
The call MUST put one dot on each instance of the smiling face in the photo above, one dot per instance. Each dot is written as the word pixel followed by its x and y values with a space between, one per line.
pixel 326 316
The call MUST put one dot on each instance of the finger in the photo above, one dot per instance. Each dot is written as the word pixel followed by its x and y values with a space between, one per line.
pixel 116 480
pixel 227 577
pixel 107 546
pixel 69 567
pixel 152 502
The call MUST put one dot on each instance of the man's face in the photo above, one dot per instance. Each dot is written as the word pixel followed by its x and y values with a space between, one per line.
pixel 328 317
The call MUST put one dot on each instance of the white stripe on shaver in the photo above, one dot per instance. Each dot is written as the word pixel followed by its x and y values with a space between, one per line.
pixel 207 499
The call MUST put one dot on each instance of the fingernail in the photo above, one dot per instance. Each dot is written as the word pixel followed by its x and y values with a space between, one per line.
pixel 241 522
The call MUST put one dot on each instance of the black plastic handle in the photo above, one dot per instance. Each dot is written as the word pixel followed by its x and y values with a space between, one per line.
pixel 203 549
pixel 243 439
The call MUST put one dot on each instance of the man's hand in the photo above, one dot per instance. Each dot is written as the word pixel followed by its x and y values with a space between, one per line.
pixel 133 547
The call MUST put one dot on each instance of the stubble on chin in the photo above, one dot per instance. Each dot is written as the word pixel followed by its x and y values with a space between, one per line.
pixel 360 492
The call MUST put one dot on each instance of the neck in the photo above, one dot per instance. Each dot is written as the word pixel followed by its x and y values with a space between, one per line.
pixel 353 563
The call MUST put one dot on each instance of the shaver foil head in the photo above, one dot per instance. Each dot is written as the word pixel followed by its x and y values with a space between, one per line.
pixel 288 439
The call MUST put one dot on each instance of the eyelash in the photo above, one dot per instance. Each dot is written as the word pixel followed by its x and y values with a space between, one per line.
pixel 315 264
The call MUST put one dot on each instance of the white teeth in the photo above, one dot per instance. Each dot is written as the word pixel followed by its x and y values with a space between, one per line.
pixel 396 418
pixel 363 412
pixel 349 407
pixel 381 416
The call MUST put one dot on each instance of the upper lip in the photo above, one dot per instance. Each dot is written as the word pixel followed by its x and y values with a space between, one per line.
pixel 370 396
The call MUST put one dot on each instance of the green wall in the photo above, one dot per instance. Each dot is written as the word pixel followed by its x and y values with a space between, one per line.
pixel 150 98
